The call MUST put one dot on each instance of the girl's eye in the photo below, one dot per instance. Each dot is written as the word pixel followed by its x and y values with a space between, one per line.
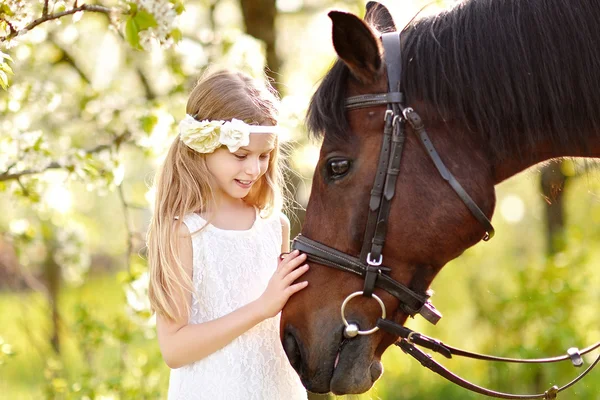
pixel 240 156
pixel 265 156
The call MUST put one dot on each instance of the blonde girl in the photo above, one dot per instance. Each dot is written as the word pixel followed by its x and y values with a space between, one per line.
pixel 217 281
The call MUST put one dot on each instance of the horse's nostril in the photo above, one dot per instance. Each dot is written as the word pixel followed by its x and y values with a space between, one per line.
pixel 292 350
pixel 376 370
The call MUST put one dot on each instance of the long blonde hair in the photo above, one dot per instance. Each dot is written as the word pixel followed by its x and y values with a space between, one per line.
pixel 184 185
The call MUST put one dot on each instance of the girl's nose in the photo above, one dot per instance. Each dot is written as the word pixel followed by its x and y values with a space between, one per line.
pixel 252 167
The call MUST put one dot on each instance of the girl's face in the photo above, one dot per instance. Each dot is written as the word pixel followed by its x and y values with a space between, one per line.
pixel 236 173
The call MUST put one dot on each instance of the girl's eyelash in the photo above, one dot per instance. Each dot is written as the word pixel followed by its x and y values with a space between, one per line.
pixel 243 156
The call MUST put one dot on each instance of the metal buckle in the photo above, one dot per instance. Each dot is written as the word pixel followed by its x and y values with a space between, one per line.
pixel 430 313
pixel 406 111
pixel 388 114
pixel 551 393
pixel 374 263
pixel 575 356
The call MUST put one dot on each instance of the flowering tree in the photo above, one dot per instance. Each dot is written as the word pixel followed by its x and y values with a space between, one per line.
pixel 90 95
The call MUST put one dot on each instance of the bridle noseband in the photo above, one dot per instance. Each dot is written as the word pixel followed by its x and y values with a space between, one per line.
pixel 369 264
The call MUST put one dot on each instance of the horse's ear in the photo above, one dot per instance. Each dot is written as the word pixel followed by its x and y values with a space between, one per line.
pixel 356 45
pixel 379 17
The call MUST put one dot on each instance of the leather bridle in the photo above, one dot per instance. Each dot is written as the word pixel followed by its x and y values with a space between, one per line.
pixel 369 264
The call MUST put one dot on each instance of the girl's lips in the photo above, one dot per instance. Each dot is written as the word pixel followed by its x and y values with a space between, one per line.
pixel 244 185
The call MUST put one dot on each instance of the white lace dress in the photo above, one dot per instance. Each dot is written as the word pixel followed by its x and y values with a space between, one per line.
pixel 231 269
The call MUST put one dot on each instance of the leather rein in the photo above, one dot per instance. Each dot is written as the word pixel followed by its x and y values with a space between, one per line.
pixel 370 263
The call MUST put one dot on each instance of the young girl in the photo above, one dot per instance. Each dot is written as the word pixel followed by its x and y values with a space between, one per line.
pixel 217 282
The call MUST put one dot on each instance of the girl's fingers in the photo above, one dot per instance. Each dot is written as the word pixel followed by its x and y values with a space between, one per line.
pixel 296 287
pixel 286 258
pixel 295 274
pixel 293 264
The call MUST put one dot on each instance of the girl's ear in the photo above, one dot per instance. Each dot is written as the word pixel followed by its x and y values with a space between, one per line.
pixel 357 46
pixel 379 16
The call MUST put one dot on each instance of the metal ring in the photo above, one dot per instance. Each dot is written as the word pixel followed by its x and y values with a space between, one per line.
pixel 355 294
pixel 409 337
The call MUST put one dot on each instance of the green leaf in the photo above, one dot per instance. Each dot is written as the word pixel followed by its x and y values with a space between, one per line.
pixel 6 68
pixel 178 5
pixel 5 56
pixel 132 33
pixel 176 35
pixel 3 80
pixel 4 9
pixel 144 20
pixel 133 7
pixel 148 123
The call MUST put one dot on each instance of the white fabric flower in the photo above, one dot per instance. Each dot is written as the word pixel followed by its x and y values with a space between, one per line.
pixel 201 136
pixel 235 134
pixel 206 136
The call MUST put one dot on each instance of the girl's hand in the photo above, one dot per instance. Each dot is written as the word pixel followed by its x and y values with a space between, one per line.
pixel 280 287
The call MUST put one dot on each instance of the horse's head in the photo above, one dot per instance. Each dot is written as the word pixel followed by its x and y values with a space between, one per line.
pixel 428 222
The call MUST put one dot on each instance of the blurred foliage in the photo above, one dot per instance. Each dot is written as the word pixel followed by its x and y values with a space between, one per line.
pixel 89 98
pixel 105 353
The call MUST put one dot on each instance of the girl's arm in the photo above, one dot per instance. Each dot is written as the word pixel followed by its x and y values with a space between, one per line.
pixel 182 343
pixel 285 233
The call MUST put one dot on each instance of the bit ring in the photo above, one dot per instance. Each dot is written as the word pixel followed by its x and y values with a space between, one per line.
pixel 353 295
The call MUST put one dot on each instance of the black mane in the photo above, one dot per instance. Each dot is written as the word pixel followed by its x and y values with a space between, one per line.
pixel 508 69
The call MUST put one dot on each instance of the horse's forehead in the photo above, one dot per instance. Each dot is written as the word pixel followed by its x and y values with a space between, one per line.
pixel 378 85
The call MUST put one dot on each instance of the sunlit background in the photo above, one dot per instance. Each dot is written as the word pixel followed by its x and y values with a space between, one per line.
pixel 84 123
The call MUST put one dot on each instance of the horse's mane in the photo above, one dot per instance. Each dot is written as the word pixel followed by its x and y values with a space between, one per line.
pixel 508 69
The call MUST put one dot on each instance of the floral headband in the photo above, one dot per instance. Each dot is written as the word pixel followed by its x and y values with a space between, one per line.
pixel 206 136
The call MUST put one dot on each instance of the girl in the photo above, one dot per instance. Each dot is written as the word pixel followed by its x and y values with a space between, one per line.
pixel 217 282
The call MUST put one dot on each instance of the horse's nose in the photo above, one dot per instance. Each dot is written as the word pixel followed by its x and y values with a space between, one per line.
pixel 292 348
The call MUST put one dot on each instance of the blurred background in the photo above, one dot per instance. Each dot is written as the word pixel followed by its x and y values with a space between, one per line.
pixel 90 95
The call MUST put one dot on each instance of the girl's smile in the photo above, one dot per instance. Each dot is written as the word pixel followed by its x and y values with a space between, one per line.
pixel 236 173
pixel 244 184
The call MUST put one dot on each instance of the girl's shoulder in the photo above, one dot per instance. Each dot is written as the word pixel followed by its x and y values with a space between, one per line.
pixel 269 224
pixel 275 217
pixel 194 222
pixel 284 220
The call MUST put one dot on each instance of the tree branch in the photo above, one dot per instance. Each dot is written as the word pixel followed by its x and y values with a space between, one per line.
pixel 128 227
pixel 10 26
pixel 150 95
pixel 66 57
pixel 48 17
pixel 117 141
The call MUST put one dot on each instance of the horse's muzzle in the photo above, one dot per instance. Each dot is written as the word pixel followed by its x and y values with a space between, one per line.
pixel 342 367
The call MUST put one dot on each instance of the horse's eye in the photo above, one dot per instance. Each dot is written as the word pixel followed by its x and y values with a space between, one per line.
pixel 337 168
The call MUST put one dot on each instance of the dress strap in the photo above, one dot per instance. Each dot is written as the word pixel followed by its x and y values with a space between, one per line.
pixel 194 222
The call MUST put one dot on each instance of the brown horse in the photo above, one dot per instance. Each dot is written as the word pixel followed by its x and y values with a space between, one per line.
pixel 500 85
